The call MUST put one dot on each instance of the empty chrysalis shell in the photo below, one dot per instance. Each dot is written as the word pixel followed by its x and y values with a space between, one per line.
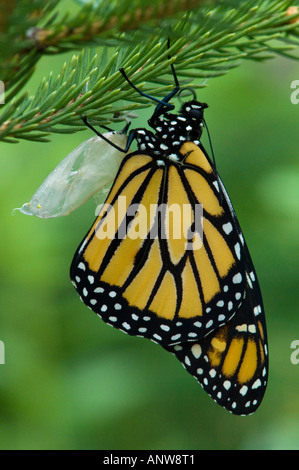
pixel 79 176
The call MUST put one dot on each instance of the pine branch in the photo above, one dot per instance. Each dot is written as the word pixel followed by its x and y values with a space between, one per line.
pixel 206 42
pixel 26 40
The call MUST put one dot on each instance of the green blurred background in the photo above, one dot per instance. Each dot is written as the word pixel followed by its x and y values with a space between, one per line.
pixel 70 381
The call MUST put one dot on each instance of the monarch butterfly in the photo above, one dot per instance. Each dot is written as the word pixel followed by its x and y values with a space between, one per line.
pixel 197 294
pixel 78 177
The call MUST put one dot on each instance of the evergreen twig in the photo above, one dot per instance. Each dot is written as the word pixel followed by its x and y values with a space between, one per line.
pixel 205 42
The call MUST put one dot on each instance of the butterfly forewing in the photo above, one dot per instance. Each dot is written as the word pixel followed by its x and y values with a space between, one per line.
pixel 142 274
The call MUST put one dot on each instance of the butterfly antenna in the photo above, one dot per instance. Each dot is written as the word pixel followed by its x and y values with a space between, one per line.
pixel 210 142
pixel 213 156
pixel 175 77
pixel 142 93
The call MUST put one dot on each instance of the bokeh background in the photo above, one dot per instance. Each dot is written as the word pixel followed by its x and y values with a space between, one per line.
pixel 70 381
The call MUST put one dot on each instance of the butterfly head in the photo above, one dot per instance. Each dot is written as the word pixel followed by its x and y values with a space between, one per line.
pixel 193 110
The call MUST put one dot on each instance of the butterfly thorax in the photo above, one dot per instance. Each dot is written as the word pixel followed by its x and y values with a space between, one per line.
pixel 171 131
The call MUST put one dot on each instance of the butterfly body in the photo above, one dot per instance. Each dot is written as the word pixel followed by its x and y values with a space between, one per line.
pixel 166 260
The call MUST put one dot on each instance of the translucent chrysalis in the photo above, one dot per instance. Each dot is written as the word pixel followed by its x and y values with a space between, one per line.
pixel 79 176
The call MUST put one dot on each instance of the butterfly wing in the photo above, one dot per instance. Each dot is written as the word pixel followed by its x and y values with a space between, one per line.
pixel 231 363
pixel 137 276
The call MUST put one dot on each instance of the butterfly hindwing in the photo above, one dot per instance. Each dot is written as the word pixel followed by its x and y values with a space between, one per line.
pixel 231 363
